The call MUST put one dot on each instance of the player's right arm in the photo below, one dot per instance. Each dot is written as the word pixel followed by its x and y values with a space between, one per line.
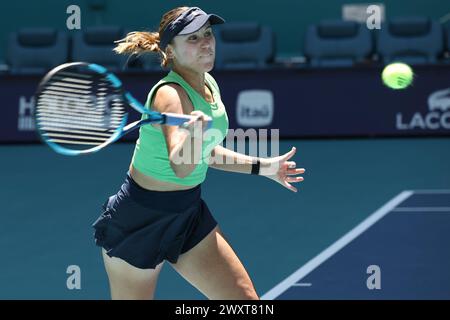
pixel 183 156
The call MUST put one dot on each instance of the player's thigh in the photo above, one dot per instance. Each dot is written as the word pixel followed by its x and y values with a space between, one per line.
pixel 129 282
pixel 214 269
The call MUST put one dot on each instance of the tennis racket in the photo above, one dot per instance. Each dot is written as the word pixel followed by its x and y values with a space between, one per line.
pixel 82 108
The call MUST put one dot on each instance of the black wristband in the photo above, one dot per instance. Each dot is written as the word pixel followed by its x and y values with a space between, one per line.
pixel 255 167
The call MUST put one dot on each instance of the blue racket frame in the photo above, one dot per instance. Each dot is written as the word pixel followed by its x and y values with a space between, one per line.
pixel 173 119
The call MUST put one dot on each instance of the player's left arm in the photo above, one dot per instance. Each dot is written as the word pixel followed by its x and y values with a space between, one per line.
pixel 279 169
pixel 228 160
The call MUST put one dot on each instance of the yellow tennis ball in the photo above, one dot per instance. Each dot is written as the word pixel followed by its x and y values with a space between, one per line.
pixel 397 75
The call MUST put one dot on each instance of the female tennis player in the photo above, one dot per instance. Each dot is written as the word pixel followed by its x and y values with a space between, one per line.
pixel 158 214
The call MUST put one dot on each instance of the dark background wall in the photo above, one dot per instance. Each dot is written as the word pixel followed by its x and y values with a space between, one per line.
pixel 288 18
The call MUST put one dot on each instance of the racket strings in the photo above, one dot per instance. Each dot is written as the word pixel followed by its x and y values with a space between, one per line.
pixel 78 111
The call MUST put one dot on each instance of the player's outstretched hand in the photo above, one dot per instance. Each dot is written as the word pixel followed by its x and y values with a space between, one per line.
pixel 281 170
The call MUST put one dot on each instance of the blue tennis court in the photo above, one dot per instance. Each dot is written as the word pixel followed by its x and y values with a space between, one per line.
pixel 405 242
pixel 50 201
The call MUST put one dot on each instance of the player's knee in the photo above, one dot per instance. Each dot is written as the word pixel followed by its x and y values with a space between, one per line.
pixel 248 292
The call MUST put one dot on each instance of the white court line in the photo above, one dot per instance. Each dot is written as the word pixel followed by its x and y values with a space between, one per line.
pixel 438 191
pixel 336 246
pixel 422 209
pixel 303 284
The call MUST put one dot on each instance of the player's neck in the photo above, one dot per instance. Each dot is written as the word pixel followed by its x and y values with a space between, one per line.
pixel 194 79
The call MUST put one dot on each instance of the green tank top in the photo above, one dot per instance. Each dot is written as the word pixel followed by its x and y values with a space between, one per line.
pixel 150 153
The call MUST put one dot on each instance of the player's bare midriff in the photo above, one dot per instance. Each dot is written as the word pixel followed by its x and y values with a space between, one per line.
pixel 150 183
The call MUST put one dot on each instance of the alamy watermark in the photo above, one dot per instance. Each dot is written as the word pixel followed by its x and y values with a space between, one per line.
pixel 199 144
pixel 374 19
pixel 74 19
pixel 370 14
pixel 374 280
pixel 74 280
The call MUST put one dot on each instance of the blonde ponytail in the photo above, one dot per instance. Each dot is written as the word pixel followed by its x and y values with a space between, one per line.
pixel 139 42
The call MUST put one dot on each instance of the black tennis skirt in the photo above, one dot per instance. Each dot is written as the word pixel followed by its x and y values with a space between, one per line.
pixel 144 227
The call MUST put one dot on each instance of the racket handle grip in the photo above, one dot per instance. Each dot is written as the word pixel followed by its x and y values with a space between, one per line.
pixel 176 119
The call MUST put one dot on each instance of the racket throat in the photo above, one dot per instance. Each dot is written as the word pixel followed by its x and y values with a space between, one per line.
pixel 136 124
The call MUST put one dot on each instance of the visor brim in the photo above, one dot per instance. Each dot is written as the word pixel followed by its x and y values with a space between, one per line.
pixel 200 21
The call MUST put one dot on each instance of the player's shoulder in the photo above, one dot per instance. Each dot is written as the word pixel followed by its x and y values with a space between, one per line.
pixel 168 96
pixel 210 79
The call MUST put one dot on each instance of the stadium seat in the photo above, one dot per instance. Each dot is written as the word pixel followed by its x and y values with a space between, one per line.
pixel 447 41
pixel 337 43
pixel 152 62
pixel 149 61
pixel 244 45
pixel 36 51
pixel 413 40
pixel 95 44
